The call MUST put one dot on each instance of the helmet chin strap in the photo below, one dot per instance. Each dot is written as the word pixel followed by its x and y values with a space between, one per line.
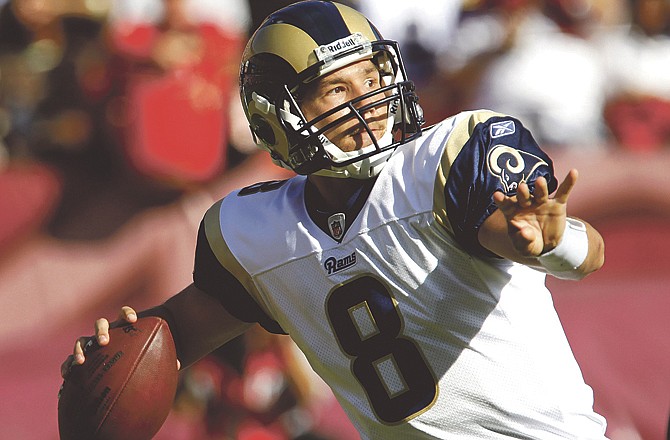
pixel 363 169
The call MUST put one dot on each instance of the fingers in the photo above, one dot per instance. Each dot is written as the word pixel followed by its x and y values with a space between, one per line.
pixel 540 195
pixel 80 348
pixel 523 195
pixel 523 198
pixel 504 203
pixel 102 326
pixel 564 189
pixel 77 356
pixel 541 192
pixel 102 331
pixel 499 199
pixel 535 220
pixel 128 314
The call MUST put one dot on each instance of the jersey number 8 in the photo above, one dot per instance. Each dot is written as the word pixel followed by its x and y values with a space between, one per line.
pixel 389 366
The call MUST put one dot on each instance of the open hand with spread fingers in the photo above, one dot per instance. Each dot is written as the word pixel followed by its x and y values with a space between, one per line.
pixel 535 221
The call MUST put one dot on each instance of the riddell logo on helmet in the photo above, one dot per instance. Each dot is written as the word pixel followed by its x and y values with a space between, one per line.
pixel 394 107
pixel 341 45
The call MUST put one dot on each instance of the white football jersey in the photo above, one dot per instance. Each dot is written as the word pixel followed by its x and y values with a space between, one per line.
pixel 419 332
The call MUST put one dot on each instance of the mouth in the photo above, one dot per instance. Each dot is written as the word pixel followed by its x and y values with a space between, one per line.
pixel 357 136
pixel 361 131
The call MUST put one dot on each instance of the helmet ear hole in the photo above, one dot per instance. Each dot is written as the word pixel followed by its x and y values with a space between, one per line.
pixel 263 130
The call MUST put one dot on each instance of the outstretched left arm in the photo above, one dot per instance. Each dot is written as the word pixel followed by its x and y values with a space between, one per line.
pixel 530 225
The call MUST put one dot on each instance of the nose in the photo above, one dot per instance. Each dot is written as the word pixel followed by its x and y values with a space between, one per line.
pixel 372 109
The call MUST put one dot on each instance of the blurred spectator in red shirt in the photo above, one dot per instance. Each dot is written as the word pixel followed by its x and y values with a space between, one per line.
pixel 179 76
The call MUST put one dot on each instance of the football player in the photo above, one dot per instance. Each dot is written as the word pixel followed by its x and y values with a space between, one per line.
pixel 407 263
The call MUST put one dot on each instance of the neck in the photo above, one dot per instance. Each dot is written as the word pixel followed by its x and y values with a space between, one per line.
pixel 336 194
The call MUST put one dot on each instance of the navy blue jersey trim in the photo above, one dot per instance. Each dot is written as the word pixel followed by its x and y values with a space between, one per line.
pixel 213 279
pixel 473 179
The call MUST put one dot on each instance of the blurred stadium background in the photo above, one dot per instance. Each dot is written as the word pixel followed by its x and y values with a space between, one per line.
pixel 119 126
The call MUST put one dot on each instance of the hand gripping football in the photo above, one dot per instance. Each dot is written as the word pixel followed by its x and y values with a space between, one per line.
pixel 125 389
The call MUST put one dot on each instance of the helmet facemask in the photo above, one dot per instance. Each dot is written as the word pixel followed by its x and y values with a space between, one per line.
pixel 311 151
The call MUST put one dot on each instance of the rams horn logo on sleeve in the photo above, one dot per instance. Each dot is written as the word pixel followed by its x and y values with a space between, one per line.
pixel 512 166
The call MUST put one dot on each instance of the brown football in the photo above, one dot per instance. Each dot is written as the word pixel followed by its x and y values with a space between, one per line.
pixel 125 389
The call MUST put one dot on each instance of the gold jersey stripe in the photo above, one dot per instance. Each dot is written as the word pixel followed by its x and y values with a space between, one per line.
pixel 223 254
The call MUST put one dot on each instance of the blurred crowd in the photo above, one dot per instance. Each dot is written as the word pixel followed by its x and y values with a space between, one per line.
pixel 581 74
pixel 137 101
pixel 111 108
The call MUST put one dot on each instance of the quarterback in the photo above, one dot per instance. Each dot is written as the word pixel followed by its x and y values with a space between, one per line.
pixel 408 263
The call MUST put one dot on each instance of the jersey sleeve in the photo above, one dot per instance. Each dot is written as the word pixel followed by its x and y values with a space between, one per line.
pixel 485 153
pixel 212 276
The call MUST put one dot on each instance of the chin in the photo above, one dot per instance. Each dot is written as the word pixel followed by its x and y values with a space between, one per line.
pixel 364 140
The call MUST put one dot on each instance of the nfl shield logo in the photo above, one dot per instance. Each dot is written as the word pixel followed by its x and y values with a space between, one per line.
pixel 336 225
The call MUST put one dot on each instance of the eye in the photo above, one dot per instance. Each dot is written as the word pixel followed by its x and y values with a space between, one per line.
pixel 335 90
pixel 372 83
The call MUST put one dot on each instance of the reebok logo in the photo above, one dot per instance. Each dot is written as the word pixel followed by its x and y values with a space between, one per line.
pixel 500 129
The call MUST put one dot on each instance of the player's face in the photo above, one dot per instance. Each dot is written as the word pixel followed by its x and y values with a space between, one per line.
pixel 339 87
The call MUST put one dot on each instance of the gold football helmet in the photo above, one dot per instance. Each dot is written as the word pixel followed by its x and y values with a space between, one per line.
pixel 299 44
